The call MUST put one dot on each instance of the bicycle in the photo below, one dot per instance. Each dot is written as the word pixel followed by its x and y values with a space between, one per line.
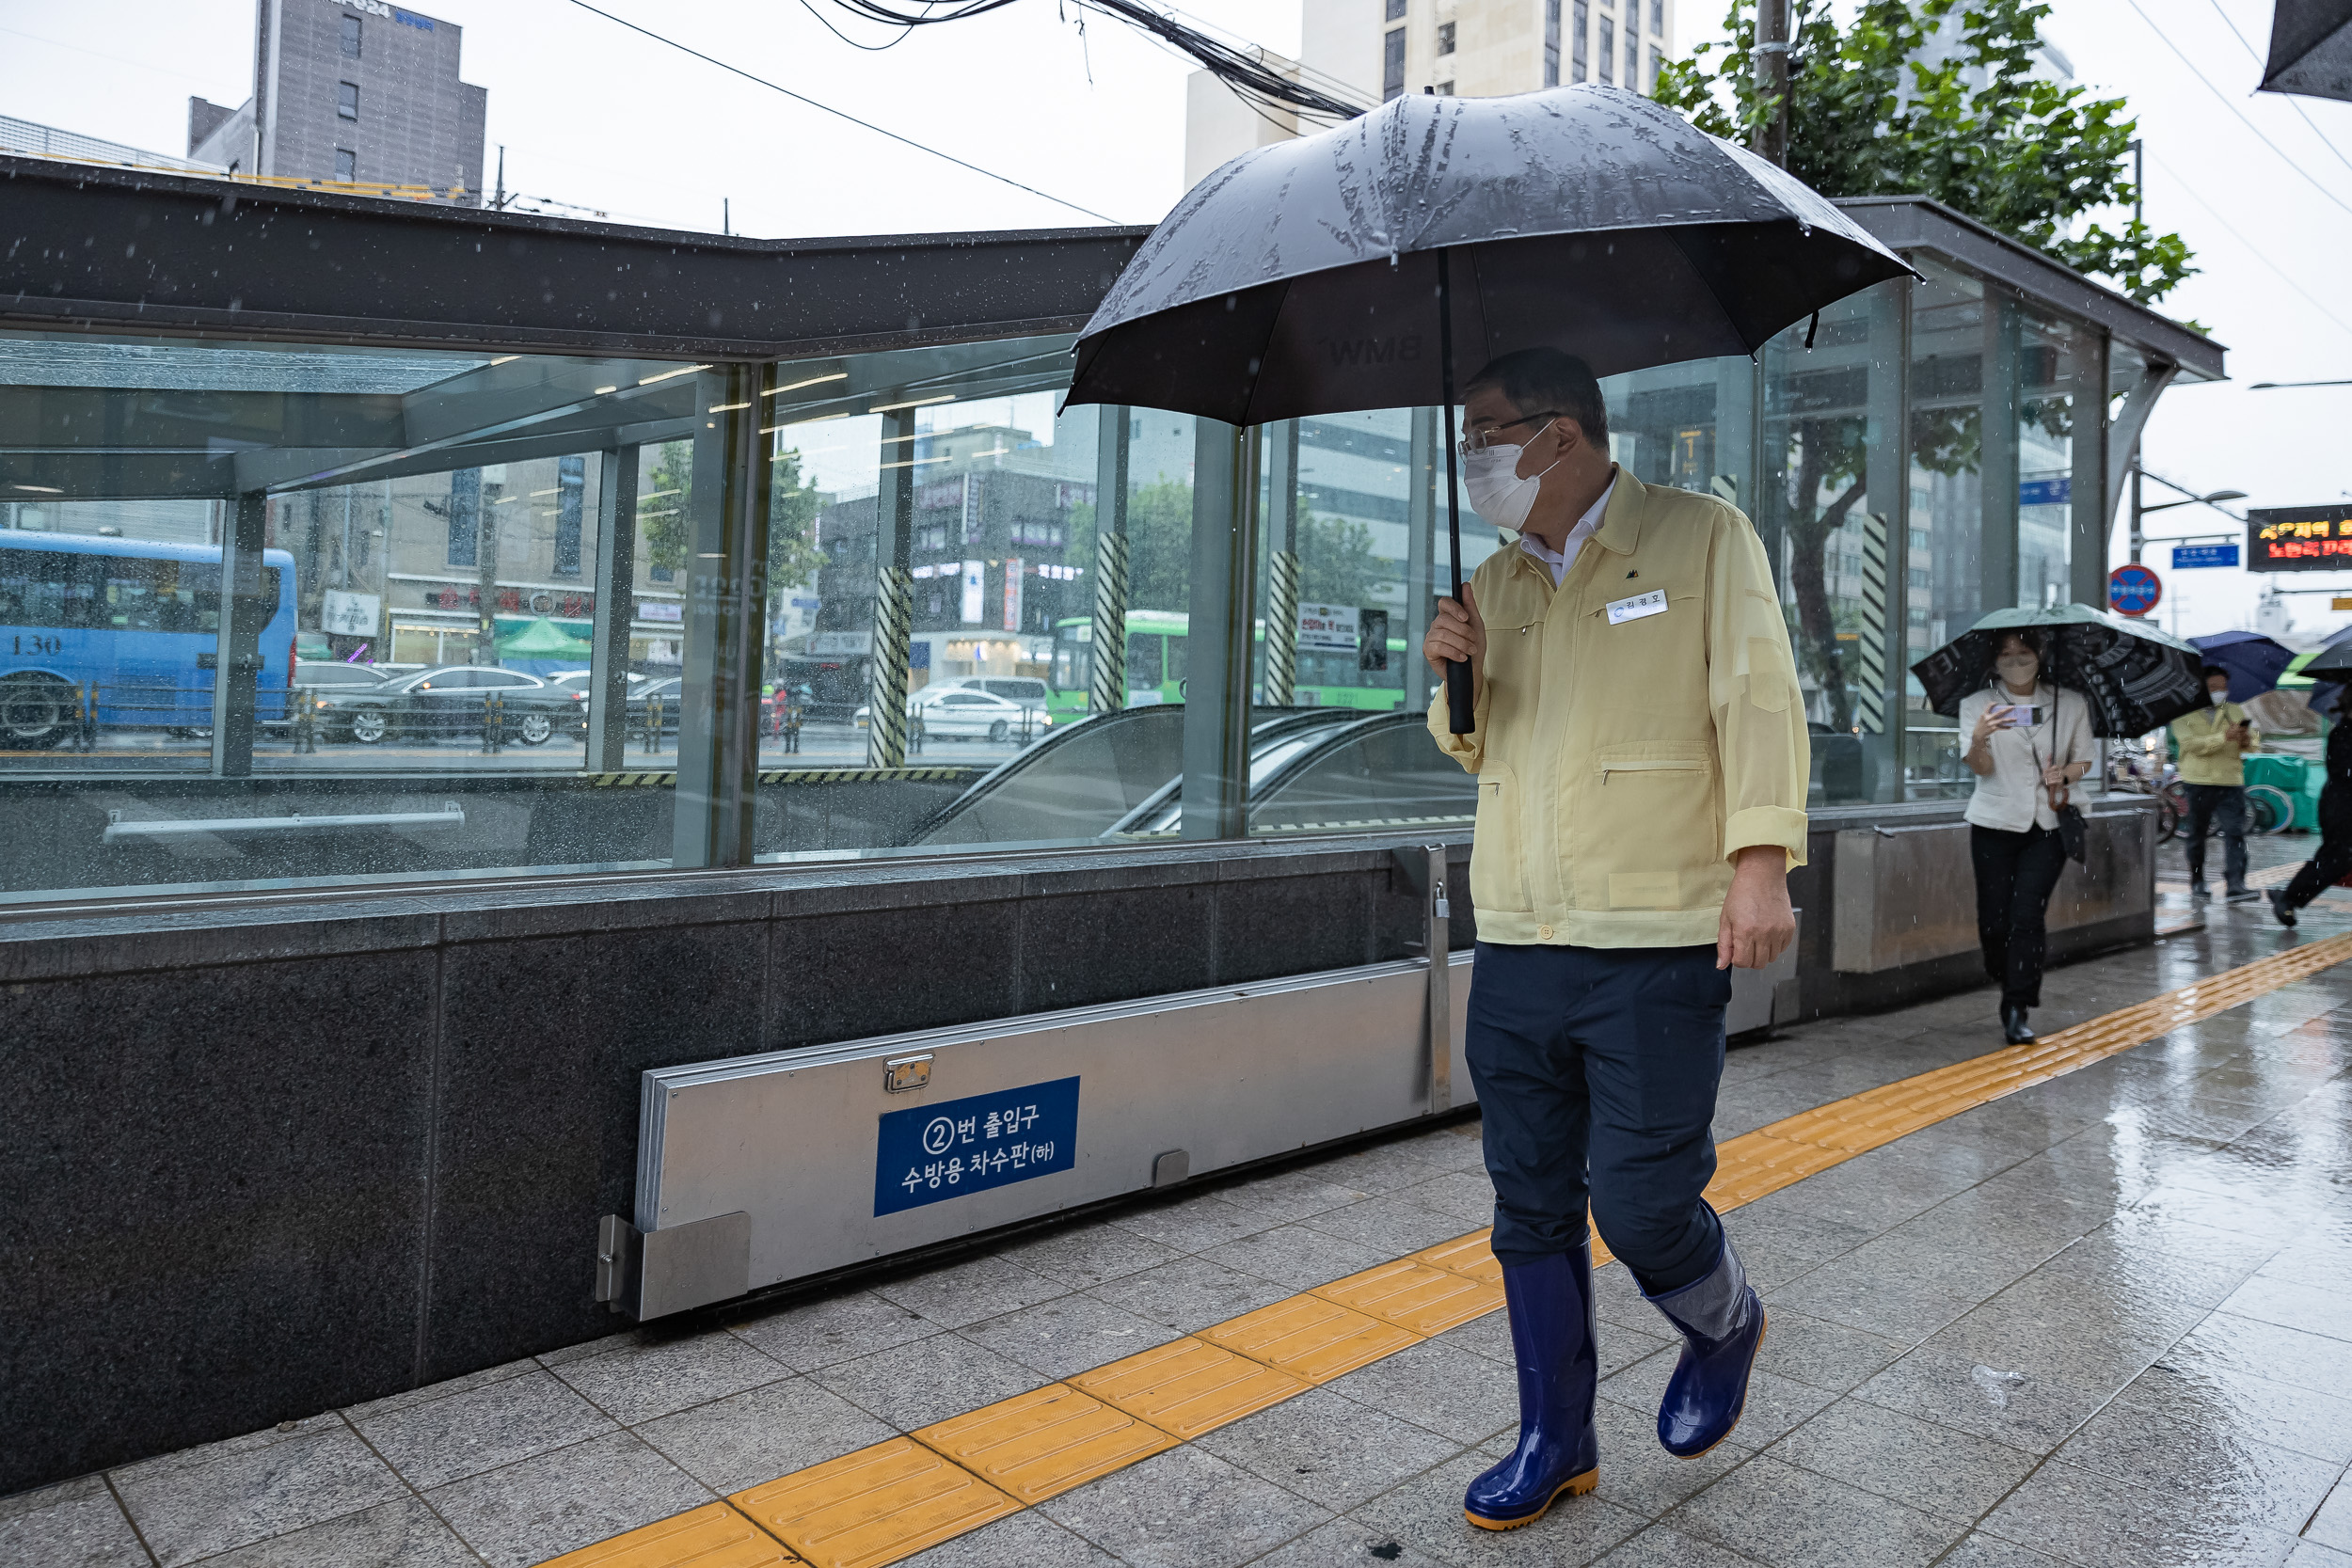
pixel 2131 771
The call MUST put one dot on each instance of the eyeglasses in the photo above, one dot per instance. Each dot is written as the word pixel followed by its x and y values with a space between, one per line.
pixel 1483 437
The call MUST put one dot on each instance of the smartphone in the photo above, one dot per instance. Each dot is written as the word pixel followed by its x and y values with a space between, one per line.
pixel 2019 714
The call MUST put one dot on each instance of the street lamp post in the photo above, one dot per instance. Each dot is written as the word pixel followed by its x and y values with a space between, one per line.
pixel 2139 532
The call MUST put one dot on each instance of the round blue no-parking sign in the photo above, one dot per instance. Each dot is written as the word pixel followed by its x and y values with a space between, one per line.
pixel 2134 589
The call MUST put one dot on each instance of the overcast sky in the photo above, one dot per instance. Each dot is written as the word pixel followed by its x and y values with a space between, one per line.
pixel 594 115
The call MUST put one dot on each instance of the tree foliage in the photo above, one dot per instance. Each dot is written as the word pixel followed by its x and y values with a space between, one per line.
pixel 1875 109
pixel 666 508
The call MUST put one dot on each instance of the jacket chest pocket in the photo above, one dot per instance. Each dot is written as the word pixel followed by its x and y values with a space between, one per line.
pixel 1498 842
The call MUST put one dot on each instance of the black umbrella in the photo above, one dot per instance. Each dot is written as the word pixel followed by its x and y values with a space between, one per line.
pixel 2331 663
pixel 2311 49
pixel 1379 263
pixel 2135 677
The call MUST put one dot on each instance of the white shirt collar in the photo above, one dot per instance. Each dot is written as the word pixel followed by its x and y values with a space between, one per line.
pixel 1586 528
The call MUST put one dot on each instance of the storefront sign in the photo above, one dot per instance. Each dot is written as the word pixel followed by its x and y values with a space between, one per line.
pixel 348 614
pixel 2299 538
pixel 931 1153
pixel 1329 628
pixel 975 590
pixel 2134 589
pixel 1013 594
pixel 2186 556
pixel 671 610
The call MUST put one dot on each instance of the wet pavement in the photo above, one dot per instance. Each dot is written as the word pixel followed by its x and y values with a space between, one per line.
pixel 2101 1321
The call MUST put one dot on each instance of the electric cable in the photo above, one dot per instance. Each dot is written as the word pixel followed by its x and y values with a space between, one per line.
pixel 1243 70
pixel 844 114
pixel 2190 191
pixel 2293 101
pixel 2225 103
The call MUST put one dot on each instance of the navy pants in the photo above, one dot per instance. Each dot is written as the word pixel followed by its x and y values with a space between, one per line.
pixel 2221 808
pixel 1596 1069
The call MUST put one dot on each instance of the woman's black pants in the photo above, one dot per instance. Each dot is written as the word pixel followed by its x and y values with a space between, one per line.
pixel 2015 874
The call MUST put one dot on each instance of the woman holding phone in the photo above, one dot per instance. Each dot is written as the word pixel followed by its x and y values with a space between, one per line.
pixel 2028 741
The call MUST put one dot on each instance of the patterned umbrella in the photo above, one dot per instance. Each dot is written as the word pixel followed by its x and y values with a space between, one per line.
pixel 2136 678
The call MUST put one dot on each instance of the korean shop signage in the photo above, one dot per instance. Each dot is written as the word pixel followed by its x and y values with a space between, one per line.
pixel 931 1153
pixel 2299 538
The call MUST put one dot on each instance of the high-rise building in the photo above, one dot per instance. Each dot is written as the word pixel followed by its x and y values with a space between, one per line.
pixel 1374 50
pixel 354 90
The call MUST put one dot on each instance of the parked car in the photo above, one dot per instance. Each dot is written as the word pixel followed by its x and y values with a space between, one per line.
pixel 1026 690
pixel 964 713
pixel 334 674
pixel 446 700
pixel 574 684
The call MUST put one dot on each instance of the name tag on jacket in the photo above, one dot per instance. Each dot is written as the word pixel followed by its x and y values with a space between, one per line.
pixel 1651 603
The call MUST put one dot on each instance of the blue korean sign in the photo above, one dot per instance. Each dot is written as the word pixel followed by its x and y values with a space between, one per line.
pixel 2134 589
pixel 2186 555
pixel 2045 492
pixel 929 1154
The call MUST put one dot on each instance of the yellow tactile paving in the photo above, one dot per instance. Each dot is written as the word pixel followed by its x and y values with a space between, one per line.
pixel 1047 1441
pixel 885 1503
pixel 1413 1297
pixel 1791 1149
pixel 1309 1337
pixel 874 1506
pixel 1467 1256
pixel 713 1536
pixel 1187 1387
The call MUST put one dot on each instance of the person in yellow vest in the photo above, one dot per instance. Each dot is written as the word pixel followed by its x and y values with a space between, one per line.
pixel 2213 743
pixel 1641 759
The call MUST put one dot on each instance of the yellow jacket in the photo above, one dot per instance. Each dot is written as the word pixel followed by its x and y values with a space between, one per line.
pixel 1625 753
pixel 2208 755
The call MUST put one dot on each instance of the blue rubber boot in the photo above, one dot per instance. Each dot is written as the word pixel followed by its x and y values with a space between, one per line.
pixel 1722 1323
pixel 1551 1302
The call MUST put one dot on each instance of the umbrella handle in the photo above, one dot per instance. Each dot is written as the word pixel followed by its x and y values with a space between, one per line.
pixel 1460 711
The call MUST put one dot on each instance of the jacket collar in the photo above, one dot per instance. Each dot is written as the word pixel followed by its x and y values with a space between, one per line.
pixel 1621 524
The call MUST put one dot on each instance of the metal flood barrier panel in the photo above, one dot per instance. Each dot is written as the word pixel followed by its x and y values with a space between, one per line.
pixel 763 1169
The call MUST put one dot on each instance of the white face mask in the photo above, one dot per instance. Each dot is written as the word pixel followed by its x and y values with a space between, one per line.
pixel 2220 697
pixel 1497 493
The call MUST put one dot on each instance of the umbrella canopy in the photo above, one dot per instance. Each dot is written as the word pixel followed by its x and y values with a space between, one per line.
pixel 2255 663
pixel 2136 678
pixel 2331 663
pixel 2311 49
pixel 1304 277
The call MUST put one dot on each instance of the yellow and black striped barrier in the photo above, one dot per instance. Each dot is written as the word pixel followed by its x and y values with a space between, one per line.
pixel 666 778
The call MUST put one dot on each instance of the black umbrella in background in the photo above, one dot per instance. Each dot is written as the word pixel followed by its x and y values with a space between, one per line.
pixel 2135 677
pixel 2311 49
pixel 1379 263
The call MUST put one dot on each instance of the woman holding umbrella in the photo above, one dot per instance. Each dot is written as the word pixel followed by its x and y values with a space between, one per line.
pixel 2328 867
pixel 2028 741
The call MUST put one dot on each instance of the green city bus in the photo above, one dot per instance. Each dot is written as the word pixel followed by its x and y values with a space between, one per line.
pixel 1156 668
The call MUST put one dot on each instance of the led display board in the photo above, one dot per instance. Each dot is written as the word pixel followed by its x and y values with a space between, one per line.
pixel 2299 538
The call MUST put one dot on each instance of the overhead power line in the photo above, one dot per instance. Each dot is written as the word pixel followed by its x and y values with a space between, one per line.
pixel 2225 103
pixel 843 114
pixel 1244 69
pixel 2256 251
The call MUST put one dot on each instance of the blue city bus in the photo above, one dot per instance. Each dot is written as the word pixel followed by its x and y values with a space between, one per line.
pixel 133 623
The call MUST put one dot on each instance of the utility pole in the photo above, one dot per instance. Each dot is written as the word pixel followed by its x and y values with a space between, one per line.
pixel 2139 180
pixel 498 202
pixel 726 216
pixel 1771 80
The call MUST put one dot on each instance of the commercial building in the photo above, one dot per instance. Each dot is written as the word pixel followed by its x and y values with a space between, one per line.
pixel 1370 51
pixel 354 92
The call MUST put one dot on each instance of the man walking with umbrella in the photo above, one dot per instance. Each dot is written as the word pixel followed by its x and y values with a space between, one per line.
pixel 1628 699
pixel 2213 744
pixel 1640 752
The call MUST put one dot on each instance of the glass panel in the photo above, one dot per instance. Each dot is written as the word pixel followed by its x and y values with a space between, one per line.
pixel 1952 319
pixel 1827 503
pixel 2048 366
